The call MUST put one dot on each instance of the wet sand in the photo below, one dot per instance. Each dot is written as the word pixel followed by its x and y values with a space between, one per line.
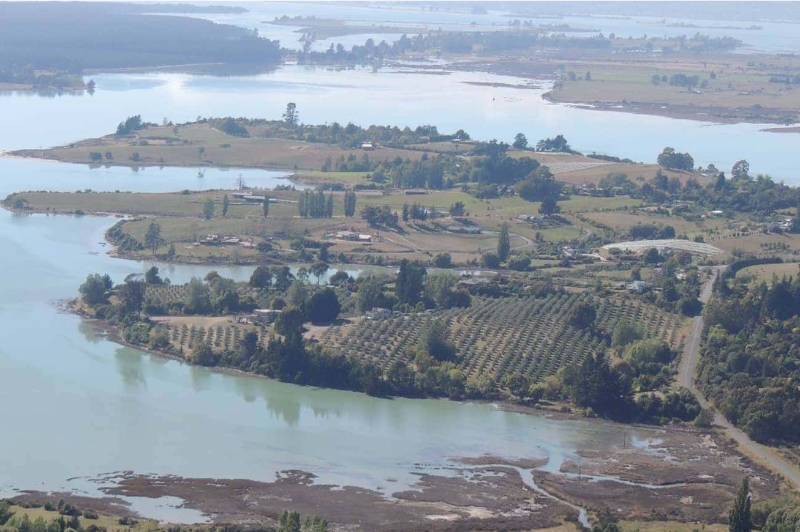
pixel 674 473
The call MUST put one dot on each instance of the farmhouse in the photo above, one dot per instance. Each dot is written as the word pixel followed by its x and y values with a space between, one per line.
pixel 265 315
pixel 213 239
pixel 638 287
pixel 379 314
pixel 351 236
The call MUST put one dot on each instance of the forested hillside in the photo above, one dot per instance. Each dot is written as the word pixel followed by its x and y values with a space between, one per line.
pixel 71 37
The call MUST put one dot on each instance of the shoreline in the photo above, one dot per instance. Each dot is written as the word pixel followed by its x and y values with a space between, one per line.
pixel 112 333
pixel 554 411
pixel 695 113
pixel 474 492
pixel 28 88
pixel 30 153
pixel 786 129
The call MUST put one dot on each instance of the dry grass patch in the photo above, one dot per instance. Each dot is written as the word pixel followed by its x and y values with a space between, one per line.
pixel 623 221
pixel 766 272
pixel 203 145
pixel 766 244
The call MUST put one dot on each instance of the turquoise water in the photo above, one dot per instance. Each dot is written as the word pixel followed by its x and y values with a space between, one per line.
pixel 77 406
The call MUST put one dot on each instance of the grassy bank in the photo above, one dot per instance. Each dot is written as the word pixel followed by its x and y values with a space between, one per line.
pixel 200 144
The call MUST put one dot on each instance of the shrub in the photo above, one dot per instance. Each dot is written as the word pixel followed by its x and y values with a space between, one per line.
pixel 490 260
pixel 442 260
pixel 704 419
pixel 519 262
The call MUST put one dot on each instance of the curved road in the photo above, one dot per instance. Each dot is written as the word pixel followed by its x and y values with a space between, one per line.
pixel 687 368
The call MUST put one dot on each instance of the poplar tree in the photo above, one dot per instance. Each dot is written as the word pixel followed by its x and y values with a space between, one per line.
pixel 503 243
pixel 739 517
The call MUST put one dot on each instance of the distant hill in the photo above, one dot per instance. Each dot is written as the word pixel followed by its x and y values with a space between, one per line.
pixel 75 36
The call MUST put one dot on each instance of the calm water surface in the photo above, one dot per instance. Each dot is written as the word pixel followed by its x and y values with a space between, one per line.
pixel 450 101
pixel 772 35
pixel 76 405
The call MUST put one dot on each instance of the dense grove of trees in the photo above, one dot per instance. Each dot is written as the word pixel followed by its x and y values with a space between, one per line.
pixel 452 42
pixel 345 136
pixel 540 185
pixel 608 390
pixel 669 158
pixel 740 192
pixel 130 124
pixel 751 357
pixel 379 216
pixel 493 42
pixel 651 231
pixel 557 143
pixel 94 289
pixel 42 80
pixel 747 193
pixel 427 172
pixel 776 515
pixel 494 166
pixel 232 127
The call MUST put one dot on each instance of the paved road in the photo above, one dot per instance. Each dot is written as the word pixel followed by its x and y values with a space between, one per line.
pixel 686 373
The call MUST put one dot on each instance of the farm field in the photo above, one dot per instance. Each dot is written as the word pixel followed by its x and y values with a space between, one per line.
pixel 576 169
pixel 766 272
pixel 760 244
pixel 496 337
pixel 182 223
pixel 734 89
pixel 185 333
pixel 622 222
